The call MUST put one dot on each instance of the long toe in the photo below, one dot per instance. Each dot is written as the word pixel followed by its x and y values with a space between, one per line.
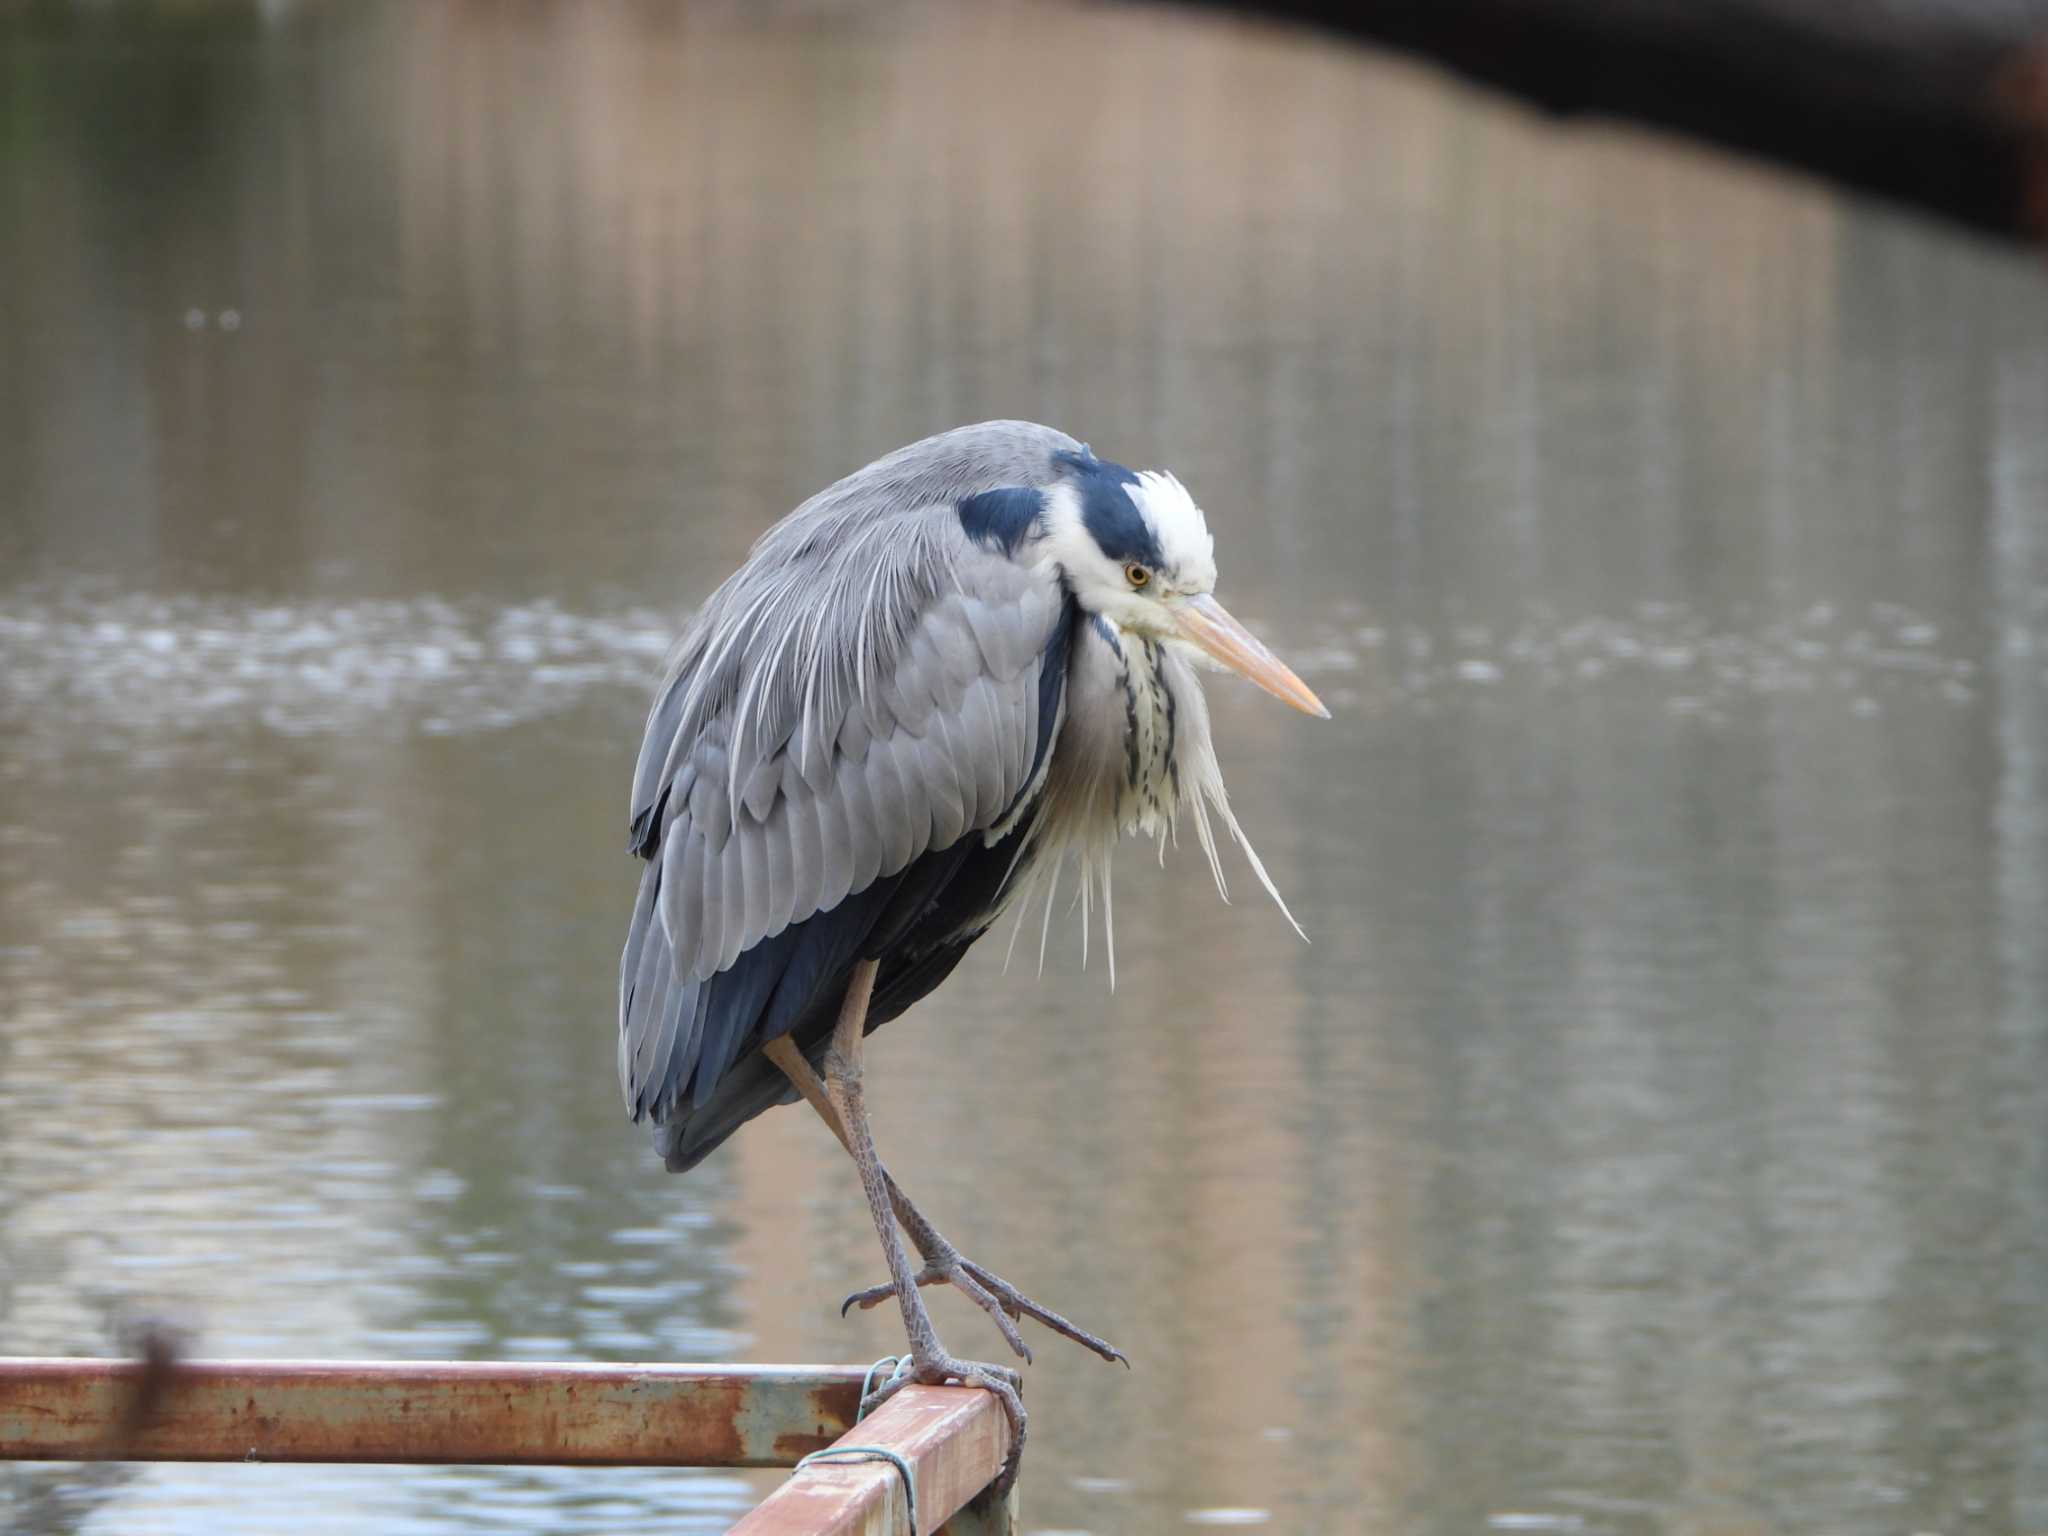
pixel 875 1295
pixel 1017 1304
pixel 1001 1300
pixel 961 1278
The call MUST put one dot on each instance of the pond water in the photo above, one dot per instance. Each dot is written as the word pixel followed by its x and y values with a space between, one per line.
pixel 1654 1134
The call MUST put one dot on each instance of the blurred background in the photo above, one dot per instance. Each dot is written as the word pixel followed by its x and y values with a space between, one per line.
pixel 1654 1136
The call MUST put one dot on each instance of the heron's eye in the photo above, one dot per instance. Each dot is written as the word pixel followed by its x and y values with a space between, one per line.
pixel 1136 574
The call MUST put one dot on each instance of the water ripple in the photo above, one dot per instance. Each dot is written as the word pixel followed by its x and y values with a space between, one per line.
pixel 148 664
pixel 1693 663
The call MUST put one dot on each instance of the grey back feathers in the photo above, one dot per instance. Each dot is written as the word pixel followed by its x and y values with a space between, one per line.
pixel 863 690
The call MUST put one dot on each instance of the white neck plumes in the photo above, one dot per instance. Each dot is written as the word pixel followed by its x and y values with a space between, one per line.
pixel 1134 751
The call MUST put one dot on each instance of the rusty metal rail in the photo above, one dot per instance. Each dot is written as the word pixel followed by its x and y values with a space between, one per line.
pixel 335 1410
pixel 952 1439
pixel 553 1414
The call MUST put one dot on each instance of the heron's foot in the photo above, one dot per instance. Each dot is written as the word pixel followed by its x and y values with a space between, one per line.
pixel 938 1369
pixel 1002 1301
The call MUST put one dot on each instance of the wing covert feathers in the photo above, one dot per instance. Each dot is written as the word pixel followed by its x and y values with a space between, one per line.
pixel 815 754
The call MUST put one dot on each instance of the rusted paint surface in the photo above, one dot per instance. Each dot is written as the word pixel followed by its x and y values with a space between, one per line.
pixel 471 1412
pixel 956 1440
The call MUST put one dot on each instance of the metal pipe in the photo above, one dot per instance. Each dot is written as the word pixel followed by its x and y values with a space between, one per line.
pixel 469 1412
pixel 954 1440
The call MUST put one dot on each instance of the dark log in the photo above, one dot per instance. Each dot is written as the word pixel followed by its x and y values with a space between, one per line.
pixel 1943 106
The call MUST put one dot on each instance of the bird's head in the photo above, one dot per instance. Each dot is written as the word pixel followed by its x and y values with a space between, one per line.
pixel 1135 550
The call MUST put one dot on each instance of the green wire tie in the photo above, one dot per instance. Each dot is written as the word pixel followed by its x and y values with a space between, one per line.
pixel 897 1364
pixel 832 1453
pixel 872 1453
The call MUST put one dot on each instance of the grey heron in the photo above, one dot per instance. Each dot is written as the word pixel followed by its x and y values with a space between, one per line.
pixel 925 690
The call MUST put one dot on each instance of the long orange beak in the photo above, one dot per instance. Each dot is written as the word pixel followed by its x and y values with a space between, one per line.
pixel 1204 621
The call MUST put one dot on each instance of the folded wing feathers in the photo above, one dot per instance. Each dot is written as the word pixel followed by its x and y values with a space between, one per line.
pixel 801 795
pixel 861 692
pixel 837 850
pixel 728 923
pixel 682 893
pixel 806 860
pixel 855 807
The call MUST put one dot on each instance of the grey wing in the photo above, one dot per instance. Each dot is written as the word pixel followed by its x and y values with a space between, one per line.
pixel 834 721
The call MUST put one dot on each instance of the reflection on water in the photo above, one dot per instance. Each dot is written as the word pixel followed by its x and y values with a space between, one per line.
pixel 1655 1134
pixel 141 665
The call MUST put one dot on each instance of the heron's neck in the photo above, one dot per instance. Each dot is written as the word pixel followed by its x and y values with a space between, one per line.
pixel 1147 778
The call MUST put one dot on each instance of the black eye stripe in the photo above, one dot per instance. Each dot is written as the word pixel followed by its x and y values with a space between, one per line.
pixel 1109 513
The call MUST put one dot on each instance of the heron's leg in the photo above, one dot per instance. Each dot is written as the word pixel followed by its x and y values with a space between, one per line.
pixel 929 1362
pixel 943 1263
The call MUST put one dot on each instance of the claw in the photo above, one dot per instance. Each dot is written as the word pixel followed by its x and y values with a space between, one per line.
pixel 942 1370
pixel 875 1295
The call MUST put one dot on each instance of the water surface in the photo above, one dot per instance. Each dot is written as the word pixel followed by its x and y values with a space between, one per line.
pixel 1654 1135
